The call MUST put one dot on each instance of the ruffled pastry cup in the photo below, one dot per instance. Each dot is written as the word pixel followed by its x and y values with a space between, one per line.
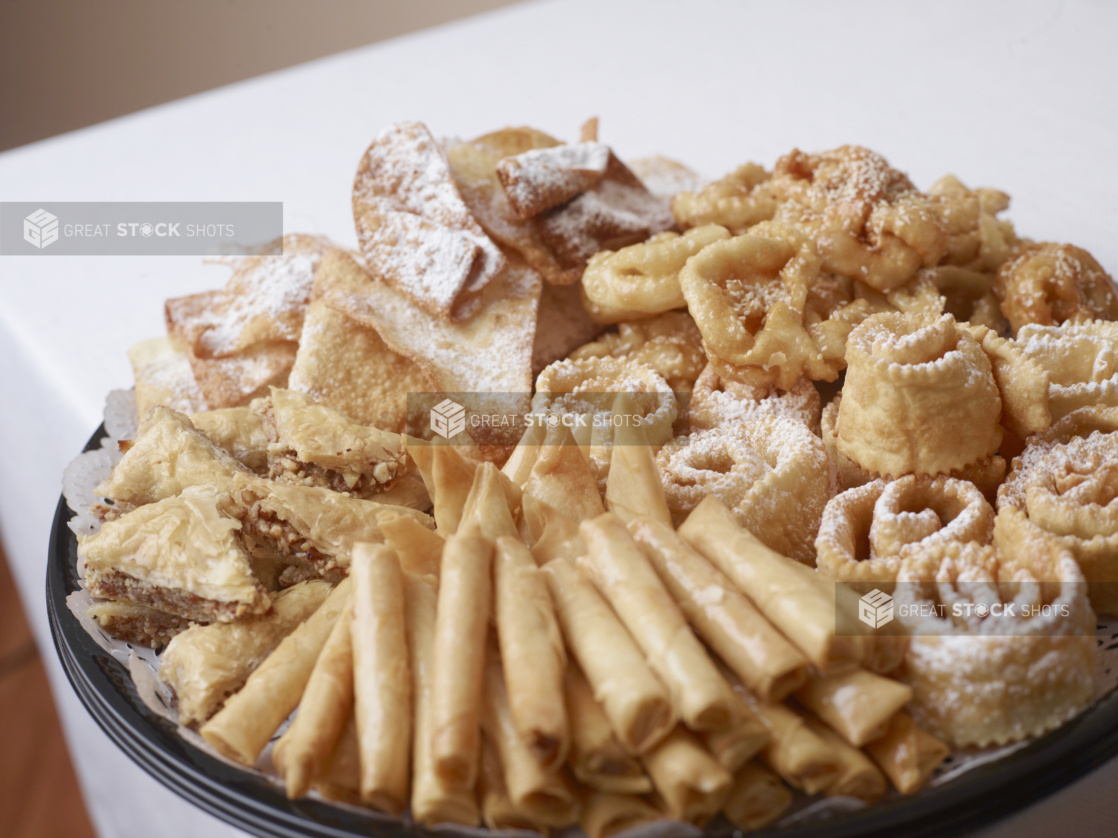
pixel 1012 656
pixel 919 398
pixel 772 473
pixel 1081 360
pixel 866 531
pixel 717 402
pixel 1064 487
pixel 580 394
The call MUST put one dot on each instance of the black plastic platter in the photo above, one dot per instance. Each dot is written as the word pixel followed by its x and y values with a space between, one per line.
pixel 258 806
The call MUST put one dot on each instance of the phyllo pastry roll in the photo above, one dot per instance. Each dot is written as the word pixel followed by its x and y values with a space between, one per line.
pixel 761 656
pixel 757 798
pixel 549 532
pixel 858 776
pixel 249 718
pixel 605 814
pixel 492 503
pixel 206 664
pixel 381 678
pixel 690 781
pixel 858 705
pixel 638 706
pixel 419 548
pixel 621 572
pixel 597 758
pixel 907 754
pixel 795 752
pixel 739 741
pixel 167 456
pixel 181 555
pixel 793 597
pixel 497 809
pixel 448 476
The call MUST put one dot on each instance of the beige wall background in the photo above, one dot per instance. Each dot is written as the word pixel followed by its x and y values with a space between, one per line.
pixel 65 64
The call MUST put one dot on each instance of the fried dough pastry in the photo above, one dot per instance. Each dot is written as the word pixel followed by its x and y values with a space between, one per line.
pixel 242 339
pixel 669 343
pixel 1012 656
pixel 867 219
pixel 415 231
pixel 913 382
pixel 977 239
pixel 642 279
pixel 163 376
pixel 543 178
pixel 717 402
pixel 1081 360
pixel 748 296
pixel 738 201
pixel 563 325
pixel 867 531
pixel 1064 486
pixel 772 473
pixel 344 364
pixel 580 394
pixel 1049 284
pixel 665 178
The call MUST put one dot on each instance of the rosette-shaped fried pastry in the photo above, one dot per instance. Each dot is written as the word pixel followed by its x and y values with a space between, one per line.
pixel 866 218
pixel 977 238
pixel 580 395
pixel 772 473
pixel 737 202
pixel 866 531
pixel 642 279
pixel 1065 485
pixel 1013 654
pixel 1049 284
pixel 717 402
pixel 670 344
pixel 987 474
pixel 1081 360
pixel 748 296
pixel 913 384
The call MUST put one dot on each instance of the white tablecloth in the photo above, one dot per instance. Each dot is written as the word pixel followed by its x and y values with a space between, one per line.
pixel 1015 95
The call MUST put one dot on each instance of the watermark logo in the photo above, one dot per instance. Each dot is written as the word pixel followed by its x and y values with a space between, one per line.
pixel 448 418
pixel 40 228
pixel 875 609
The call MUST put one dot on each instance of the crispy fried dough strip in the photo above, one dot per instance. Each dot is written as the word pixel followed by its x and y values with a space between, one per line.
pixel 791 595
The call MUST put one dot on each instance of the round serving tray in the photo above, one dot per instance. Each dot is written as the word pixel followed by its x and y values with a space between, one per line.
pixel 258 806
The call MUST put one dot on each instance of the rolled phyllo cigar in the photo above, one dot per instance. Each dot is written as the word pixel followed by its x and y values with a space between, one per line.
pixel 381 677
pixel 533 652
pixel 605 814
pixel 858 776
pixel 545 796
pixel 432 800
pixel 419 549
pixel 763 658
pixel 691 782
pixel 325 708
pixel 497 809
pixel 637 705
pixel 858 705
pixel 757 798
pixel 596 756
pixel 744 737
pixel 247 721
pixel 620 571
pixel 459 671
pixel 492 502
pixel 801 757
pixel 791 595
pixel 907 754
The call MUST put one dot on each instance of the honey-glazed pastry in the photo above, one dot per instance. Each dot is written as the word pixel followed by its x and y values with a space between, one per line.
pixel 737 202
pixel 242 339
pixel 1064 486
pixel 670 343
pixel 718 402
pixel 580 395
pixel 866 531
pixel 867 219
pixel 977 239
pixel 1081 360
pixel 772 473
pixel 1013 654
pixel 139 624
pixel 240 431
pixel 182 555
pixel 912 383
pixel 1049 284
pixel 642 279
